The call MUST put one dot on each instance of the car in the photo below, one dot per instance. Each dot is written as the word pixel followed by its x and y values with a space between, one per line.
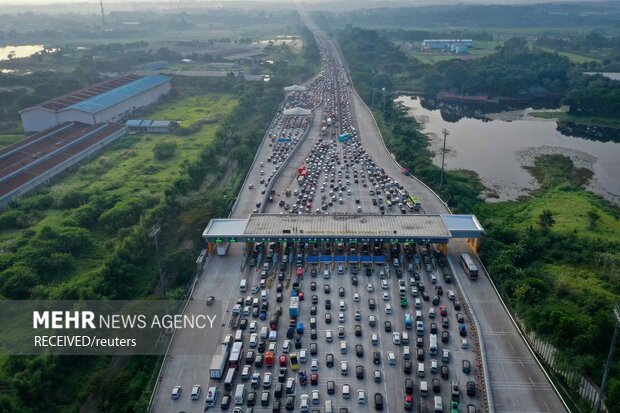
pixel 445 336
pixel 327 289
pixel 386 296
pixel 341 318
pixel 314 365
pixel 303 403
pixel 195 395
pixel 315 397
pixel 341 292
pixel 290 402
pixel 359 350
pixel 388 309
pixel 451 295
pixel 396 338
pixel 282 373
pixel 408 402
pixel 356 297
pixel 344 367
pixel 331 387
pixel 436 386
pixel 329 360
pixel 391 357
pixel 358 330
pixel 346 391
pixel 457 305
pixel 358 315
pixel 376 357
pixel 210 300
pixel 387 326
pixel 264 398
pixel 471 389
pixel 176 393
pixel 445 323
pixel 445 373
pixel 313 286
pixel 370 288
pixel 328 304
pixel 466 366
pixel 361 397
pixel 225 402
pixel 314 379
pixel 378 401
pixel 359 372
pixel 328 318
pixel 315 299
pixel 460 318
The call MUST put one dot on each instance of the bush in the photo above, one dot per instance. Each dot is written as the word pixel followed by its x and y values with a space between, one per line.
pixel 164 150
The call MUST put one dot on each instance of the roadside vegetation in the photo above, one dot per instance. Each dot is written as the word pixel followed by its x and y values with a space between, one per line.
pixel 554 255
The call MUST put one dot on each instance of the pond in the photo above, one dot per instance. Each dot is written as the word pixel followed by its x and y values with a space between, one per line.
pixel 16 52
pixel 498 147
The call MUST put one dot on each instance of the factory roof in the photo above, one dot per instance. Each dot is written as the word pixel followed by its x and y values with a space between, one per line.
pixel 105 100
pixel 98 97
pixel 259 227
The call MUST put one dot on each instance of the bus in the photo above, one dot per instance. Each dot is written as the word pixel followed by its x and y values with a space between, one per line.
pixel 468 265
pixel 413 200
pixel 235 355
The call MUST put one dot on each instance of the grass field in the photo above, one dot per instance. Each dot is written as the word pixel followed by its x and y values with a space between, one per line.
pixel 582 120
pixel 9 139
pixel 128 169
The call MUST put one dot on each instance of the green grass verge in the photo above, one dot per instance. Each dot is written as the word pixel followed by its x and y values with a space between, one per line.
pixel 573 57
pixel 194 108
pixel 6 140
pixel 582 120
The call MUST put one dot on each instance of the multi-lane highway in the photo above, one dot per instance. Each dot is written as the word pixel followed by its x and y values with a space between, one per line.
pixel 355 175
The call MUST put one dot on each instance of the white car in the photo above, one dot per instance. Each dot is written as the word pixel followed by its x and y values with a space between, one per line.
pixel 384 284
pixel 315 397
pixel 451 295
pixel 391 357
pixel 356 297
pixel 388 309
pixel 386 296
pixel 361 397
pixel 253 327
pixel 314 366
pixel 370 288
pixel 396 338
pixel 286 347
pixel 344 368
pixel 341 318
pixel 303 403
pixel 253 340
pixel 341 305
pixel 196 392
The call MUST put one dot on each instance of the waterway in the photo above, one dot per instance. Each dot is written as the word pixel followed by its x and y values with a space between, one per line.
pixel 498 146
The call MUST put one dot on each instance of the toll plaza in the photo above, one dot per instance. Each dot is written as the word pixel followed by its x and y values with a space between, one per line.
pixel 321 231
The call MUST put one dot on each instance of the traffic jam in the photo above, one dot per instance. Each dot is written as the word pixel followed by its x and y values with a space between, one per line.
pixel 342 326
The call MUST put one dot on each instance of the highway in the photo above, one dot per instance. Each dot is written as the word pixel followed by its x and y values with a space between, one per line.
pixel 517 382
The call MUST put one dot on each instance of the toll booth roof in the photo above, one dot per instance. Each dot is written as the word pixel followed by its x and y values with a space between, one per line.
pixel 328 226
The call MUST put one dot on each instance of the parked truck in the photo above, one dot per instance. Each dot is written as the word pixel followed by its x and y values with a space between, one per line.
pixel 293 308
pixel 218 365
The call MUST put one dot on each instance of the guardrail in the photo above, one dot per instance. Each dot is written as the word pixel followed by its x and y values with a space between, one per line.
pixel 280 170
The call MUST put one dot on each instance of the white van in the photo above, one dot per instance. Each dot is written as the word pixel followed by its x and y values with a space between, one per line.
pixel 273 335
pixel 423 388
pixel 421 370
pixel 239 335
pixel 264 332
pixel 240 394
pixel 405 337
pixel 438 404
pixel 328 406
pixel 243 285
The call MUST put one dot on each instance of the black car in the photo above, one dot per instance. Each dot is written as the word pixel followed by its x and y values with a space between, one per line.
pixel 471 389
pixel 290 402
pixel 315 299
pixel 359 372
pixel 225 402
pixel 331 387
pixel 276 406
pixel 445 373
pixel 420 354
pixel 354 280
pixel 329 360
pixel 313 286
pixel 328 304
pixel 282 373
pixel 313 310
pixel 359 350
pixel 378 401
pixel 243 323
pixel 436 300
pixel 436 386
pixel 328 318
pixel 419 342
pixel 444 322
pixel 327 289
pixel 313 349
pixel 298 342
pixel 466 366
pixel 261 346
pixel 388 326
pixel 445 336
pixel 376 357
pixel 358 330
pixel 425 296
pixel 313 334
pixel 457 305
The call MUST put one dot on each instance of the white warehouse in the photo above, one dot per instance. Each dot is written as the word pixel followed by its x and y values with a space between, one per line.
pixel 108 101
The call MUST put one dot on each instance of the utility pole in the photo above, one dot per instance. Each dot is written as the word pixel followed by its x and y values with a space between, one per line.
pixel 443 157
pixel 610 356
pixel 383 89
pixel 102 15
pixel 156 229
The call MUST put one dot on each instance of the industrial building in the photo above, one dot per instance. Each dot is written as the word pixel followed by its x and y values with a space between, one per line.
pixel 107 101
pixel 149 126
pixel 457 46
pixel 35 160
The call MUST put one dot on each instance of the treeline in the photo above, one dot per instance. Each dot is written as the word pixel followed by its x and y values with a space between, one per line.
pixel 419 35
pixel 594 95
pixel 510 72
pixel 589 44
pixel 43 263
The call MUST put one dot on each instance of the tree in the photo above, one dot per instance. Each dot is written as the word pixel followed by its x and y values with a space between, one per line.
pixel 164 150
pixel 546 220
pixel 593 220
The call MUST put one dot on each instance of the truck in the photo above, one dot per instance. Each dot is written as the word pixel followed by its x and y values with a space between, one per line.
pixel 293 308
pixel 236 353
pixel 222 248
pixel 269 358
pixel 218 365
pixel 301 179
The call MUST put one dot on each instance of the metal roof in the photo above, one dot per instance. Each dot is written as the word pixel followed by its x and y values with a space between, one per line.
pixel 437 228
pixel 104 100
pixel 135 123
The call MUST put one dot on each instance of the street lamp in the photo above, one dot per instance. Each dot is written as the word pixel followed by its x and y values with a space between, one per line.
pixel 610 356
pixel 443 157
pixel 156 229
pixel 383 90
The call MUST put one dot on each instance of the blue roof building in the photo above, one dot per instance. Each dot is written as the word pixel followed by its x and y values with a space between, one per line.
pixel 112 100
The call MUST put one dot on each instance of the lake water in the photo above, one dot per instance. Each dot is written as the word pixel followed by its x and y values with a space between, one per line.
pixel 19 51
pixel 498 149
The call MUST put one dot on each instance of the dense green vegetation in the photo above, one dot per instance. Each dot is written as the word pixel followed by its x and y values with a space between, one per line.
pixel 594 96
pixel 554 255
pixel 86 237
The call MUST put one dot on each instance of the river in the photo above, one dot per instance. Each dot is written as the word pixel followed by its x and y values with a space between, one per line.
pixel 497 150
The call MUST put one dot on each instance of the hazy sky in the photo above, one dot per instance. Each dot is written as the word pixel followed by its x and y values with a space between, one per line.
pixel 411 2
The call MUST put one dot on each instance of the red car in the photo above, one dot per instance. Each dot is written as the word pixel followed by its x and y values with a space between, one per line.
pixel 408 403
pixel 443 311
pixel 282 360
pixel 314 379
